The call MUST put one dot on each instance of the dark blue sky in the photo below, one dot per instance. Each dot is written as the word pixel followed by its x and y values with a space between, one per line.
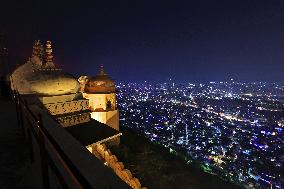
pixel 139 40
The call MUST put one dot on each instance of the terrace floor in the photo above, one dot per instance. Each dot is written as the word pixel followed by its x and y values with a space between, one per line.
pixel 15 167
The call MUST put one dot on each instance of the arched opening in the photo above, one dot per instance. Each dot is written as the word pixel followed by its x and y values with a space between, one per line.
pixel 108 105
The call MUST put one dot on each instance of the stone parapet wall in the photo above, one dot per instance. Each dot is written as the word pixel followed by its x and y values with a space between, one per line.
pixel 67 107
pixel 74 119
pixel 68 113
pixel 117 166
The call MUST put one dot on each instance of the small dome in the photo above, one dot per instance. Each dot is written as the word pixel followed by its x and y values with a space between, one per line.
pixel 102 83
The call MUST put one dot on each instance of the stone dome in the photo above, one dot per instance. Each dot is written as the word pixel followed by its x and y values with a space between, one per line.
pixel 31 78
pixel 102 83
pixel 50 83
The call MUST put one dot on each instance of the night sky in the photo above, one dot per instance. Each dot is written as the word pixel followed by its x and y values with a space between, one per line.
pixel 154 40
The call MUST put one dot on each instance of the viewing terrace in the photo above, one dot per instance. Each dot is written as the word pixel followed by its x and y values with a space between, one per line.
pixel 39 153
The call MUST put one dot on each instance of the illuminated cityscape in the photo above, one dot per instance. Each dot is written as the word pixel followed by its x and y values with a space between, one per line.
pixel 234 129
pixel 148 94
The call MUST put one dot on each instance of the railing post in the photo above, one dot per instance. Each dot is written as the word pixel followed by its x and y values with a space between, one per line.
pixel 16 98
pixel 44 161
pixel 19 112
pixel 22 119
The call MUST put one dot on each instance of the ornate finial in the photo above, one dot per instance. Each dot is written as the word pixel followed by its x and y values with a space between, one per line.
pixel 48 52
pixel 37 49
pixel 41 56
pixel 48 55
pixel 102 71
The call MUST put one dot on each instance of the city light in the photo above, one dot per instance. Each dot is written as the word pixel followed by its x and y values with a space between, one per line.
pixel 234 129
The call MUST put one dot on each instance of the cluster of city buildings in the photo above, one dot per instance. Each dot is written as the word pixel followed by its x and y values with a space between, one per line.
pixel 233 129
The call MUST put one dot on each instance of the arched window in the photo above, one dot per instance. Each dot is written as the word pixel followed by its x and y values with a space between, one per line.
pixel 108 105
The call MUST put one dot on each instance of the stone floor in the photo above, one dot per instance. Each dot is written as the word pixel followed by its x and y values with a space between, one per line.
pixel 14 154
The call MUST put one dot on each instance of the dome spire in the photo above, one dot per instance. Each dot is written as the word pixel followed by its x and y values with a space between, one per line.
pixel 48 55
pixel 37 49
pixel 48 52
pixel 102 71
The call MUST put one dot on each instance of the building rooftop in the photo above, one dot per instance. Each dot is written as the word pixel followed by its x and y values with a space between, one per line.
pixel 92 132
